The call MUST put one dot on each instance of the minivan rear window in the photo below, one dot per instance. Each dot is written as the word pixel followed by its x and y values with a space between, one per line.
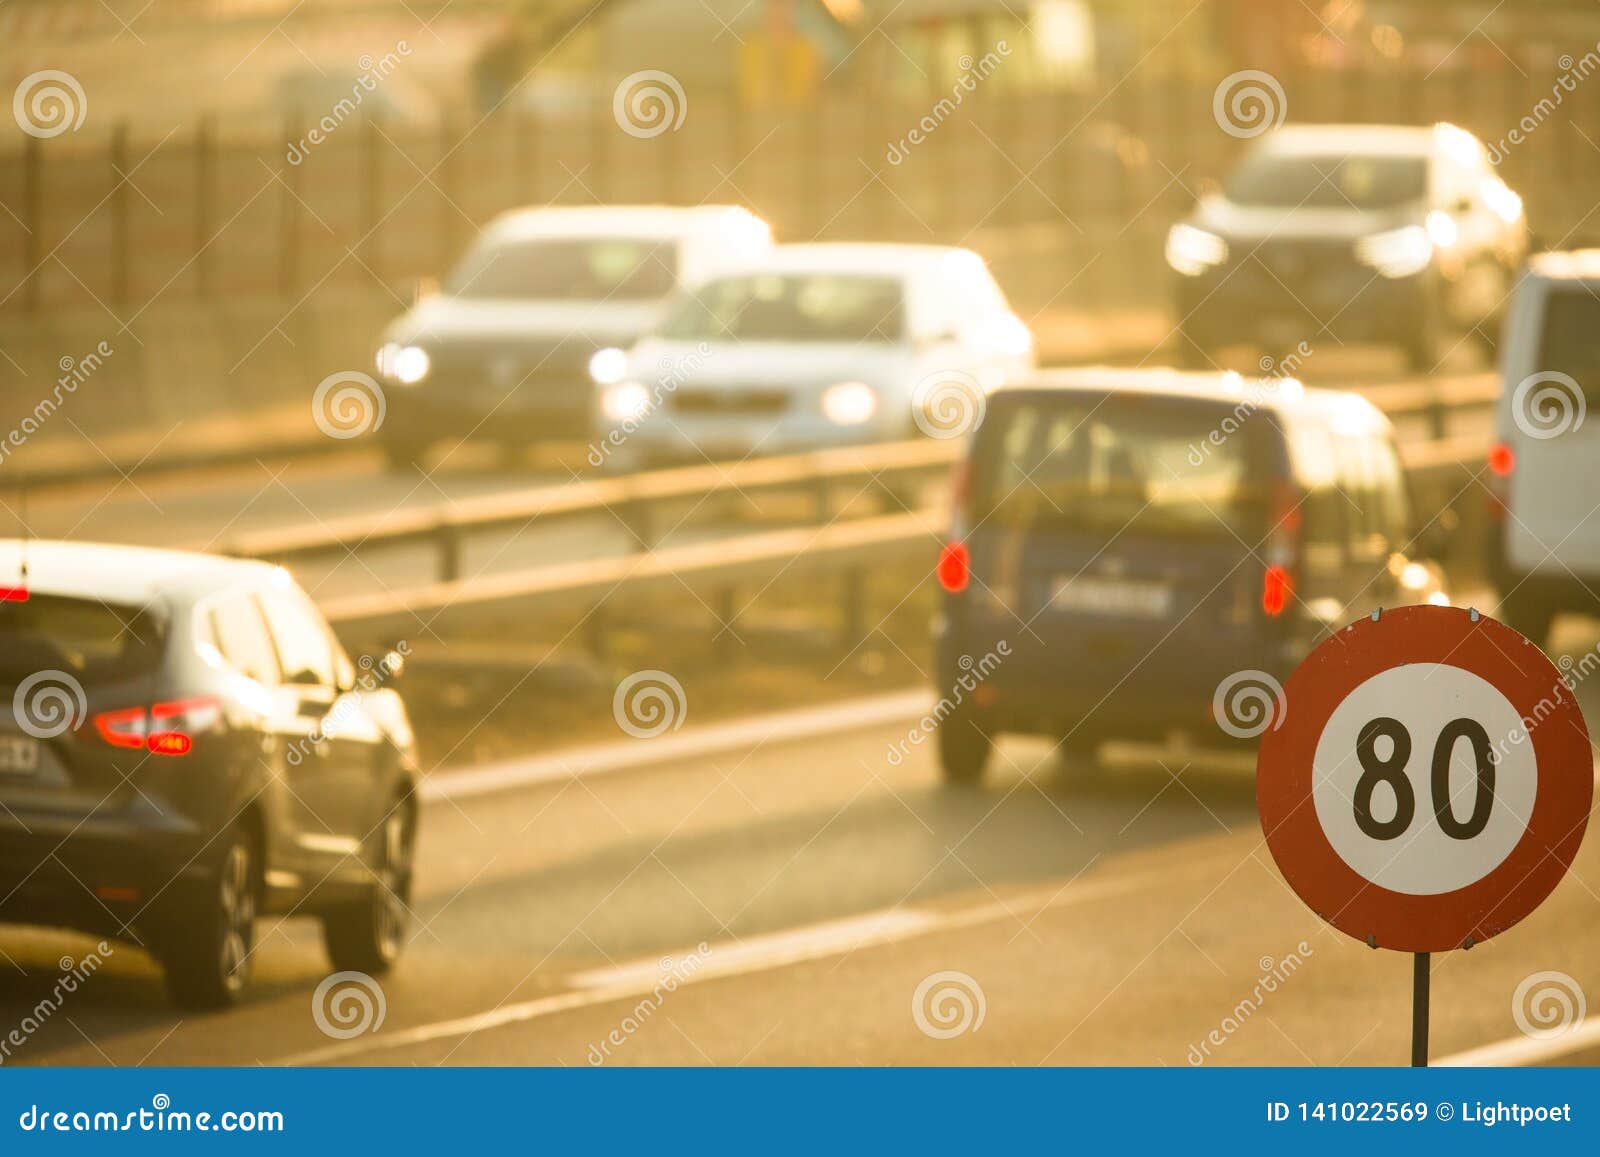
pixel 1135 464
pixel 90 640
pixel 1568 345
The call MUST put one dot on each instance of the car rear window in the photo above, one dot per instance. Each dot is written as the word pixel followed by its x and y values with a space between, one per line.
pixel 91 640
pixel 588 269
pixel 1568 345
pixel 1111 465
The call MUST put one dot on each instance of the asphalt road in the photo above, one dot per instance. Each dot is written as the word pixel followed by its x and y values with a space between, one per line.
pixel 807 886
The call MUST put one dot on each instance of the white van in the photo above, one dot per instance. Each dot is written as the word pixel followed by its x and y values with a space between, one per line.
pixel 1544 543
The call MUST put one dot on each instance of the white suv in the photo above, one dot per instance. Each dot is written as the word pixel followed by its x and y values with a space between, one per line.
pixel 1545 534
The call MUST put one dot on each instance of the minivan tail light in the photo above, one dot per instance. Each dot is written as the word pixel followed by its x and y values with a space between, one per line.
pixel 1282 550
pixel 955 567
pixel 166 728
pixel 1502 461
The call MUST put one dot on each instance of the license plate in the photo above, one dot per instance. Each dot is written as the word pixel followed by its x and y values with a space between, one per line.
pixel 19 755
pixel 1145 600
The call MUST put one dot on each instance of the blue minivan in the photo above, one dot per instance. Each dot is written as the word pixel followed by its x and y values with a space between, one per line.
pixel 1123 541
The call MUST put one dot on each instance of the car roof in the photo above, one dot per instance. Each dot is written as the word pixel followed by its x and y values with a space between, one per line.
pixel 122 574
pixel 1387 140
pixel 1569 265
pixel 644 221
pixel 880 258
pixel 1287 396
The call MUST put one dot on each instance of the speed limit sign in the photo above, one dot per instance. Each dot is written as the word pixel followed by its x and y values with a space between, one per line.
pixel 1430 781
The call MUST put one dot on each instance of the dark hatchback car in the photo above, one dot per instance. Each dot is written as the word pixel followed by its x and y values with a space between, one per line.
pixel 186 747
pixel 1126 540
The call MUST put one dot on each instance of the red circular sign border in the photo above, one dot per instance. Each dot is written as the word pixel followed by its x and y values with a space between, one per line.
pixel 1520 883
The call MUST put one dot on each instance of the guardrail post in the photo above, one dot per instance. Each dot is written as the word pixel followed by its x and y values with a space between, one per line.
pixel 450 537
pixel 726 610
pixel 852 607
pixel 638 515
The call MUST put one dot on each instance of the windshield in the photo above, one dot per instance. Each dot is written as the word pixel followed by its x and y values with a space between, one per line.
pixel 589 269
pixel 1331 181
pixel 1137 465
pixel 88 639
pixel 801 307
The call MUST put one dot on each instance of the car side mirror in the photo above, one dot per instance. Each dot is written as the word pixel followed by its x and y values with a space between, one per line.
pixel 423 287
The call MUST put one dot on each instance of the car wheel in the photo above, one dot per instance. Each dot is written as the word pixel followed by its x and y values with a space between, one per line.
pixel 963 751
pixel 208 962
pixel 1421 346
pixel 367 935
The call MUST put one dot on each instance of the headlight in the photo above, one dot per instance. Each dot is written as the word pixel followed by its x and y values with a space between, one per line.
pixel 625 402
pixel 608 366
pixel 849 403
pixel 405 364
pixel 1192 251
pixel 1397 253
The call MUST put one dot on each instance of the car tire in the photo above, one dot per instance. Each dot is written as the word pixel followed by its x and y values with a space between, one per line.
pixel 208 962
pixel 1421 346
pixel 368 934
pixel 964 749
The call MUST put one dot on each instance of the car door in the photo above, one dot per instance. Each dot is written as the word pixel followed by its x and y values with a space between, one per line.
pixel 332 772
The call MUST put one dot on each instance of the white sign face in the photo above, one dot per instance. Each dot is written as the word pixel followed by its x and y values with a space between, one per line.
pixel 1423 779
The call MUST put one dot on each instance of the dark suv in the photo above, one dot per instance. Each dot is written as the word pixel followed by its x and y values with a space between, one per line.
pixel 187 747
pixel 1125 541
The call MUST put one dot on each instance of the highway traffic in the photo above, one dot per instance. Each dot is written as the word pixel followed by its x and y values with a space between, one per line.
pixel 680 616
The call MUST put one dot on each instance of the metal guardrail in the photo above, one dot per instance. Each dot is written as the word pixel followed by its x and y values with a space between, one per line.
pixel 712 571
pixel 638 500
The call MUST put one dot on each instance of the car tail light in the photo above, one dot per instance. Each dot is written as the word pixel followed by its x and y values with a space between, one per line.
pixel 1502 461
pixel 955 567
pixel 162 728
pixel 1282 550
pixel 13 594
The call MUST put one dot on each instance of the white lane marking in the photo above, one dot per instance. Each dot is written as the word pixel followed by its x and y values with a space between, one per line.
pixel 1527 1050
pixel 738 958
pixel 601 759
